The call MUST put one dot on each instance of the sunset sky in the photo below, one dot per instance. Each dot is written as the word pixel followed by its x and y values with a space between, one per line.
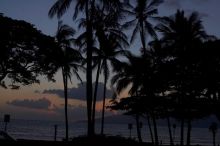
pixel 45 101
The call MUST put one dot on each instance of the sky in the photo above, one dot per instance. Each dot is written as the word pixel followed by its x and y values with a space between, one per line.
pixel 45 100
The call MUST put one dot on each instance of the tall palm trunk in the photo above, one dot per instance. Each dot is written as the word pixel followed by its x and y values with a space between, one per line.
pixel 170 133
pixel 182 132
pixel 155 130
pixel 65 84
pixel 214 134
pixel 89 71
pixel 95 94
pixel 103 106
pixel 150 129
pixel 189 132
pixel 142 37
pixel 137 118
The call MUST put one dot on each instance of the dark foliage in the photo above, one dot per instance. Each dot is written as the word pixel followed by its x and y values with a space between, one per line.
pixel 21 46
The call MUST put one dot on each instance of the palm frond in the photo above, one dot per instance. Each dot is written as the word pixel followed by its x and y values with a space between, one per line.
pixel 122 84
pixel 80 5
pixel 129 24
pixel 134 33
pixel 151 13
pixel 150 30
pixel 128 12
pixel 54 9
pixel 82 23
pixel 59 8
pixel 154 3
pixel 78 76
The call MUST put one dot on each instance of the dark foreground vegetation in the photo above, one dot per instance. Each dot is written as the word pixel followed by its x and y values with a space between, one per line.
pixel 79 141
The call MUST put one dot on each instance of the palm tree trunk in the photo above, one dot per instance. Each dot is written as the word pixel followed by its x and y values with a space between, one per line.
pixel 170 133
pixel 138 127
pixel 142 37
pixel 103 106
pixel 155 130
pixel 189 132
pixel 213 138
pixel 150 129
pixel 182 133
pixel 65 84
pixel 89 71
pixel 95 94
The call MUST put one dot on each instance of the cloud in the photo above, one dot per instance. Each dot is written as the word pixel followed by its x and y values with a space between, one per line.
pixel 201 14
pixel 41 103
pixel 71 108
pixel 178 4
pixel 80 92
pixel 172 3
pixel 78 112
pixel 199 1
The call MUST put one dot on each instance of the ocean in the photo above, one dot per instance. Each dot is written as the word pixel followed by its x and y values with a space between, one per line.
pixel 44 130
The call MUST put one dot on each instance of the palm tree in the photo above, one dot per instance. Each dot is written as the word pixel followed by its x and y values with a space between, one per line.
pixel 163 78
pixel 144 12
pixel 213 128
pixel 69 61
pixel 181 32
pixel 133 107
pixel 109 54
pixel 130 73
pixel 59 8
pixel 111 43
pixel 127 75
pixel 150 129
pixel 87 7
pixel 182 35
pixel 141 81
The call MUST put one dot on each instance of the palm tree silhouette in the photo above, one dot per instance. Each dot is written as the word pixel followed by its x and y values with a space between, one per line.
pixel 109 54
pixel 150 129
pixel 111 43
pixel 69 61
pixel 88 8
pixel 213 128
pixel 144 12
pixel 133 107
pixel 182 34
pixel 59 8
pixel 129 75
pixel 139 73
pixel 174 130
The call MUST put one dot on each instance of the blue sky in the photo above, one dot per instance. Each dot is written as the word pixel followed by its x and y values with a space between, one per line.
pixel 36 12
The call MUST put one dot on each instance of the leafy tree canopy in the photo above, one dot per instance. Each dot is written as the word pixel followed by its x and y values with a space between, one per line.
pixel 21 49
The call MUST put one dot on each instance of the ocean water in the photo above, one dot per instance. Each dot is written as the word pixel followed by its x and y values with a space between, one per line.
pixel 44 130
